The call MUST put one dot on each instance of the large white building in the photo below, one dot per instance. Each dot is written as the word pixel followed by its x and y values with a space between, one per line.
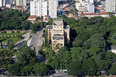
pixel 85 6
pixel 53 4
pixel 110 5
pixel 38 7
pixel 2 3
pixel 21 2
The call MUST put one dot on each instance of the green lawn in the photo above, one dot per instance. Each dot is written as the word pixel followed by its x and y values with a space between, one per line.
pixel 12 36
pixel 12 33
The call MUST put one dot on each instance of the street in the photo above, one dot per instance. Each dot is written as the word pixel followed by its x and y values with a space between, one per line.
pixel 36 42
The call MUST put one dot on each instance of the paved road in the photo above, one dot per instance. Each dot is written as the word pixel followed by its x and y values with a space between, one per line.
pixel 60 75
pixel 19 44
pixel 36 41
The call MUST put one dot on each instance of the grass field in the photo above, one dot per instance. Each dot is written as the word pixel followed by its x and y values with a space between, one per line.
pixel 4 37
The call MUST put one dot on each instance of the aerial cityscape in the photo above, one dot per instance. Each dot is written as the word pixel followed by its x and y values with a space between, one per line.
pixel 58 38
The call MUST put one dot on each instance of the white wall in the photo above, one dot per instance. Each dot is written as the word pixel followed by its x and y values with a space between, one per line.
pixel 38 8
pixel 113 51
pixel 33 8
pixel 110 5
pixel 21 2
pixel 1 3
pixel 44 9
pixel 53 4
pixel 91 8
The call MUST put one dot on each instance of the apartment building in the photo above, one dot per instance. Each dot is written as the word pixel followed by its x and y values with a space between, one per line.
pixel 53 4
pixel 85 6
pixel 38 7
pixel 110 5
pixel 3 3
pixel 21 2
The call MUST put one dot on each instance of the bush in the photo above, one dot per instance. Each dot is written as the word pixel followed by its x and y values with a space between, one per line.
pixel 13 32
pixel 18 31
pixel 4 32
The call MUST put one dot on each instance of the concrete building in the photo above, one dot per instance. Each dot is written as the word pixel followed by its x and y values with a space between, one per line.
pixel 85 6
pixel 8 5
pixel 3 3
pixel 58 34
pixel 53 4
pixel 110 5
pixel 38 7
pixel 91 8
pixel 21 2
pixel 13 1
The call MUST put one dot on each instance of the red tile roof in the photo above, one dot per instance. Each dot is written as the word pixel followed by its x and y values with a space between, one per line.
pixel 32 16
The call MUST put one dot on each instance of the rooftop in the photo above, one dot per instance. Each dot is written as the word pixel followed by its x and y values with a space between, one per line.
pixel 58 22
pixel 58 19
pixel 58 38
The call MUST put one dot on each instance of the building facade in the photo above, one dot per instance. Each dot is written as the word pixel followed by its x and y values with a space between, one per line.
pixel 53 4
pixel 3 3
pixel 58 34
pixel 38 7
pixel 85 6
pixel 21 2
pixel 110 5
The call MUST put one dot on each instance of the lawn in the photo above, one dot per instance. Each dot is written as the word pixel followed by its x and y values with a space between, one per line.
pixel 4 37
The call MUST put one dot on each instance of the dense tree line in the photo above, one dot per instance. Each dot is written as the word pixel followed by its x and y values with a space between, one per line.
pixel 27 64
pixel 15 20
pixel 88 55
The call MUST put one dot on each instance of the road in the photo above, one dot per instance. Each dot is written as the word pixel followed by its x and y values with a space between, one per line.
pixel 36 41
pixel 19 44
pixel 60 75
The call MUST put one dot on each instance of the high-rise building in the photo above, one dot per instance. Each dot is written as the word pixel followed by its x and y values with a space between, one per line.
pixel 21 2
pixel 53 4
pixel 38 7
pixel 2 3
pixel 110 5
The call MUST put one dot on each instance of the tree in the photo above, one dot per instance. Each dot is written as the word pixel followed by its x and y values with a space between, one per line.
pixel 10 44
pixel 109 56
pixel 112 70
pixel 14 69
pixel 94 50
pixel 50 22
pixel 74 68
pixel 96 40
pixel 113 39
pixel 41 69
pixel 76 54
pixel 26 56
pixel 77 42
pixel 81 38
pixel 26 70
pixel 26 25
pixel 103 65
pixel 89 67
pixel 35 27
pixel 42 25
